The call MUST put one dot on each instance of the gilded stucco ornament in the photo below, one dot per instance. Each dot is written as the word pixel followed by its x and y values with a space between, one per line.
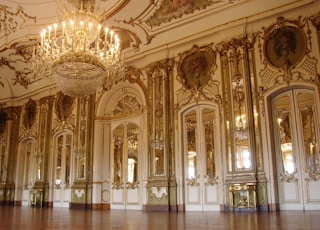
pixel 195 73
pixel 11 21
pixel 193 181
pixel 117 185
pixel 290 178
pixel 313 175
pixel 285 54
pixel 133 185
pixel 30 114
pixel 211 180
pixel 3 121
pixel 158 193
pixel 64 106
pixel 128 104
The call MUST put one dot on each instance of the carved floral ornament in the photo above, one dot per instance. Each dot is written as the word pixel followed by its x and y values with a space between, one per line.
pixel 315 20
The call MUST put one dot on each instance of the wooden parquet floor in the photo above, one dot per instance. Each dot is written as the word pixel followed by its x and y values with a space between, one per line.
pixel 14 217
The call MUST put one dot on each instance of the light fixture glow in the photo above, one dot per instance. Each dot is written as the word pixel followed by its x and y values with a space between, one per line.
pixel 79 54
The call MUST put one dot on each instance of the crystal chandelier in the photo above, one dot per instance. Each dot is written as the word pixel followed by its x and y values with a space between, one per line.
pixel 79 54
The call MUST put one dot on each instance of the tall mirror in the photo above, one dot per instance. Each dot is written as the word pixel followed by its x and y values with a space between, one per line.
pixel 133 144
pixel 308 120
pixel 209 134
pixel 191 122
pixel 118 136
pixel 284 129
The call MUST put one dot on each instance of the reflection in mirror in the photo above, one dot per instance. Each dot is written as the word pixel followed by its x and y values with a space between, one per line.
pixel 118 152
pixel 307 116
pixel 68 160
pixel 27 164
pixel 208 122
pixel 38 158
pixel 242 155
pixel 283 120
pixel 159 161
pixel 243 158
pixel 81 167
pixel 59 160
pixel 241 133
pixel 63 161
pixel 288 160
pixel 158 145
pixel 133 143
pixel 190 122
pixel 2 157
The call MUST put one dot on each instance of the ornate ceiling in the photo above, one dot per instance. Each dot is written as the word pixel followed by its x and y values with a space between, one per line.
pixel 143 26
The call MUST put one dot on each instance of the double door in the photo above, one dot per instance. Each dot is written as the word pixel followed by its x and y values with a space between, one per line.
pixel 296 147
pixel 200 148
pixel 126 191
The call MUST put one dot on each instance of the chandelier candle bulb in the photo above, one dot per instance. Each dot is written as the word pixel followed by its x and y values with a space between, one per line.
pixel 63 28
pixel 105 35
pixel 111 34
pixel 55 30
pixel 49 33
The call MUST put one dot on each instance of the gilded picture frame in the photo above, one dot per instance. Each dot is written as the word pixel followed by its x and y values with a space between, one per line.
pixel 196 66
pixel 285 44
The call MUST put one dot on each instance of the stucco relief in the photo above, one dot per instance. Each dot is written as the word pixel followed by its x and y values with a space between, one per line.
pixel 173 9
pixel 195 73
pixel 12 20
pixel 3 120
pixel 127 105
pixel 64 106
pixel 30 114
pixel 286 55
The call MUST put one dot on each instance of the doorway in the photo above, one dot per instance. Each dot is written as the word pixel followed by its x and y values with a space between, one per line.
pixel 200 134
pixel 295 122
pixel 125 160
